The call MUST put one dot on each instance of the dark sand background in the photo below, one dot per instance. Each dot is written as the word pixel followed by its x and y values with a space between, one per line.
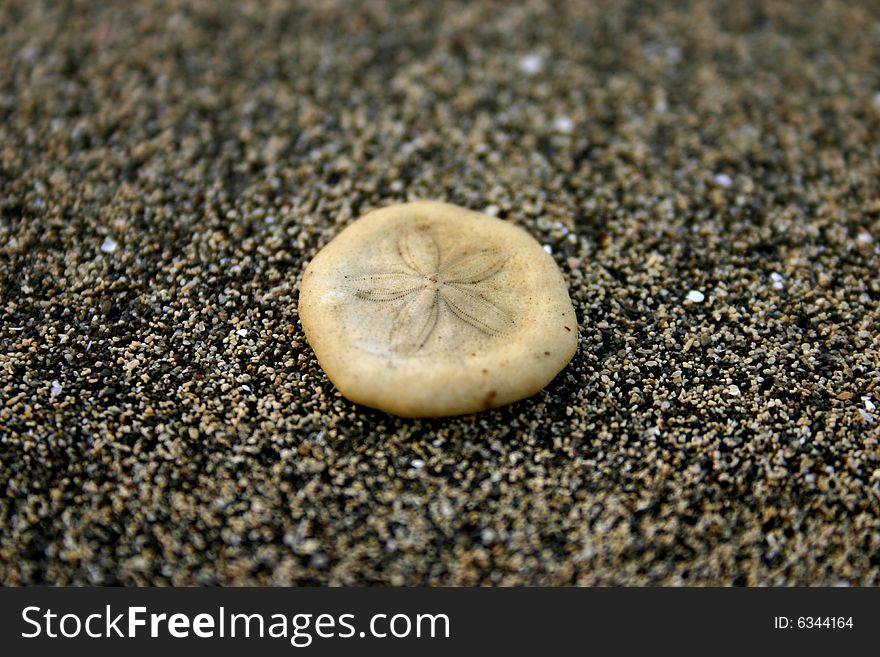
pixel 168 168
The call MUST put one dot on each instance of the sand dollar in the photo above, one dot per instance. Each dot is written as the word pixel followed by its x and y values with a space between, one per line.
pixel 429 309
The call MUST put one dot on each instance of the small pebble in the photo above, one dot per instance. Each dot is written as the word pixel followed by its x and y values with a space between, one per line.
pixel 563 124
pixel 723 179
pixel 109 245
pixel 695 296
pixel 531 64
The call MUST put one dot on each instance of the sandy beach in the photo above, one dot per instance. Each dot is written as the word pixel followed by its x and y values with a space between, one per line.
pixel 706 175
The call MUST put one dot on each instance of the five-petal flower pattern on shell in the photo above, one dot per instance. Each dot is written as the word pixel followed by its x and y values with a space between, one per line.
pixel 426 282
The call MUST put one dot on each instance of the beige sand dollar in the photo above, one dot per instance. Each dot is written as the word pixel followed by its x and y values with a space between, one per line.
pixel 429 309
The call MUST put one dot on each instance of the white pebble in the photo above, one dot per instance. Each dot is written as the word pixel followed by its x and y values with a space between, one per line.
pixel 109 245
pixel 417 464
pixel 866 416
pixel 695 296
pixel 776 278
pixel 734 391
pixel 869 405
pixel 56 389
pixel 241 332
pixel 865 238
pixel 563 124
pixel 672 54
pixel 531 64
pixel 548 249
pixel 724 180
